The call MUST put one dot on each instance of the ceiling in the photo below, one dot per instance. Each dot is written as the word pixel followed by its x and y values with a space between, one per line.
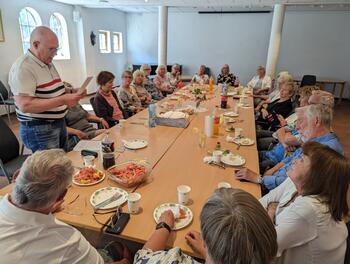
pixel 209 5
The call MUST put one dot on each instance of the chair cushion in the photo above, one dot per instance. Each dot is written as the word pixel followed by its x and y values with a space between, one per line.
pixel 14 165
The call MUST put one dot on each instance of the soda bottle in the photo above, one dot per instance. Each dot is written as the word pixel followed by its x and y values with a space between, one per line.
pixel 107 146
pixel 224 96
pixel 216 117
pixel 211 85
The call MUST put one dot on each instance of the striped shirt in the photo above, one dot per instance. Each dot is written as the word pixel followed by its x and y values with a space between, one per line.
pixel 31 77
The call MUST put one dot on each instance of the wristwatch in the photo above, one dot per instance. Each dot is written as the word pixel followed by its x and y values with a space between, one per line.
pixel 259 180
pixel 163 225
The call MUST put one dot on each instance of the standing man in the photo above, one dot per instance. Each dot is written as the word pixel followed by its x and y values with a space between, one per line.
pixel 40 96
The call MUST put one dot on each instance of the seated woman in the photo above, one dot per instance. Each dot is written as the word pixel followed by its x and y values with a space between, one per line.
pixel 149 85
pixel 161 81
pixel 174 76
pixel 200 77
pixel 226 77
pixel 260 83
pixel 127 95
pixel 79 127
pixel 106 103
pixel 268 116
pixel 138 86
pixel 308 208
pixel 235 229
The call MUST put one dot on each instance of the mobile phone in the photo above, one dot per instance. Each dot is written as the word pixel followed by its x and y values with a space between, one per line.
pixel 118 223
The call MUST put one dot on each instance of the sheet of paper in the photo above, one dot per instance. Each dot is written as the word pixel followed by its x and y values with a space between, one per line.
pixel 94 145
pixel 85 84
pixel 87 107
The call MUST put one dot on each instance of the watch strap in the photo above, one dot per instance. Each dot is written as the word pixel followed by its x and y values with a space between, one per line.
pixel 163 225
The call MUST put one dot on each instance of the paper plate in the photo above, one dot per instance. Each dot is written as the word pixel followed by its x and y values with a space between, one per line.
pixel 135 143
pixel 233 160
pixel 90 183
pixel 231 114
pixel 179 223
pixel 104 193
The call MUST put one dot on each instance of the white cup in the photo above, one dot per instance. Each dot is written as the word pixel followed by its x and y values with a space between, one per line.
pixel 89 161
pixel 235 109
pixel 183 194
pixel 224 185
pixel 122 122
pixel 134 203
pixel 238 132
pixel 217 156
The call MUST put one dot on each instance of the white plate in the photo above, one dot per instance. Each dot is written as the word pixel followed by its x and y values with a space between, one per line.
pixel 135 143
pixel 244 141
pixel 231 114
pixel 88 184
pixel 233 160
pixel 180 223
pixel 230 120
pixel 104 193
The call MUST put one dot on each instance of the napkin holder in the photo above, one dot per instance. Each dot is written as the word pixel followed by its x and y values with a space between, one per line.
pixel 172 122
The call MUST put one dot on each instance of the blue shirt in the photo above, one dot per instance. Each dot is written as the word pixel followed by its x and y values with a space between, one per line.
pixel 330 139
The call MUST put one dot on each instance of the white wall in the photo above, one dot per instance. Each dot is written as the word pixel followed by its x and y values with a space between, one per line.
pixel 312 42
pixel 70 70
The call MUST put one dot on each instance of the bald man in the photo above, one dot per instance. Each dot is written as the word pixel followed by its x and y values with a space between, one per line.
pixel 40 96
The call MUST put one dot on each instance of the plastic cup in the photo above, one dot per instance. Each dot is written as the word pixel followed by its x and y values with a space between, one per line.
pixel 224 185
pixel 89 161
pixel 134 203
pixel 183 193
pixel 238 132
pixel 122 122
pixel 217 156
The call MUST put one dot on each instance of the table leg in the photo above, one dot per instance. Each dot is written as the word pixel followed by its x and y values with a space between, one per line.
pixel 334 85
pixel 341 92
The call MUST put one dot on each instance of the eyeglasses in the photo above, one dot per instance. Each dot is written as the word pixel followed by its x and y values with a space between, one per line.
pixel 112 221
pixel 127 77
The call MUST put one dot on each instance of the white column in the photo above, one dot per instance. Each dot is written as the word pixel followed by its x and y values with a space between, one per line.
pixel 162 34
pixel 275 39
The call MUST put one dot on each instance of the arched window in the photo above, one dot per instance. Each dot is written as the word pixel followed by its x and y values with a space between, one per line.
pixel 28 20
pixel 59 26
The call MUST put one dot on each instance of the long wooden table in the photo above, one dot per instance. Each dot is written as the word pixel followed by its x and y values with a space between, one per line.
pixel 176 158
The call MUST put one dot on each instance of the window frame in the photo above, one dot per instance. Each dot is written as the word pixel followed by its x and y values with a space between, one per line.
pixel 107 35
pixel 120 42
pixel 64 42
pixel 27 27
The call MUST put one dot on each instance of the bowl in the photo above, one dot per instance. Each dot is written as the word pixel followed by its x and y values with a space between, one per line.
pixel 129 174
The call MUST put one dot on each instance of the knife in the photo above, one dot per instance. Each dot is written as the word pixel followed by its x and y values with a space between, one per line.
pixel 102 204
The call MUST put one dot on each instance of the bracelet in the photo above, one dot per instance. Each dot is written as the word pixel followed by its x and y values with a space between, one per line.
pixel 163 225
pixel 259 180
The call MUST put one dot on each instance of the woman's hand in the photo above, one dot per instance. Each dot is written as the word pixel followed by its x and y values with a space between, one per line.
pixel 81 135
pixel 195 241
pixel 264 113
pixel 283 122
pixel 168 218
pixel 104 123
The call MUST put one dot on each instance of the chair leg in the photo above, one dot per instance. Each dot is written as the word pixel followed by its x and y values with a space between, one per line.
pixel 9 178
pixel 21 149
pixel 8 113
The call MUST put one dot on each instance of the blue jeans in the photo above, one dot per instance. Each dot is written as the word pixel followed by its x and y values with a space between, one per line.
pixel 46 135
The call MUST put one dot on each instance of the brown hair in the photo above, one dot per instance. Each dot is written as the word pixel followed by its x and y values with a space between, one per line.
pixel 236 229
pixel 328 178
pixel 104 77
pixel 126 73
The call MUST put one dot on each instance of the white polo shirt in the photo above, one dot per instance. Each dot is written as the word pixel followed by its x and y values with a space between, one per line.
pixel 30 237
pixel 31 77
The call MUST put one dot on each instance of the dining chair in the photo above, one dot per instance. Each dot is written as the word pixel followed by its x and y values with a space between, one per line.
pixel 10 157
pixel 5 100
pixel 308 80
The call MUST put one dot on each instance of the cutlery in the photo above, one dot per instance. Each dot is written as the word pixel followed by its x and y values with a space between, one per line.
pixel 217 164
pixel 106 202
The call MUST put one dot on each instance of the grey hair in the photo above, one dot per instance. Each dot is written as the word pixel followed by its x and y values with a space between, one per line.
pixel 143 66
pixel 43 177
pixel 236 229
pixel 137 73
pixel 174 66
pixel 323 112
pixel 159 67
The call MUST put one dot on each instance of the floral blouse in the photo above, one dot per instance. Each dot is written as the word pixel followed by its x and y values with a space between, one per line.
pixel 174 80
pixel 172 256
pixel 151 89
pixel 229 79
pixel 200 79
pixel 128 99
pixel 163 84
pixel 142 94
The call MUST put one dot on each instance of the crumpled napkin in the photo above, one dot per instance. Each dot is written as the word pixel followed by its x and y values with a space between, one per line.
pixel 207 159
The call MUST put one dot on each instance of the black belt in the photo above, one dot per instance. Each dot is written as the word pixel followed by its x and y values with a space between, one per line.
pixel 38 122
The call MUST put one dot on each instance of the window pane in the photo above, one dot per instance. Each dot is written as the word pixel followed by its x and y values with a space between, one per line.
pixel 27 24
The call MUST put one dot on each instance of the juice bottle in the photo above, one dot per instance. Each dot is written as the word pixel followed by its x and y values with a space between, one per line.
pixel 216 121
pixel 211 85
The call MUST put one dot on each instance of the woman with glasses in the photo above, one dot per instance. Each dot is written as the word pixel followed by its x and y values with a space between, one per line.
pixel 127 96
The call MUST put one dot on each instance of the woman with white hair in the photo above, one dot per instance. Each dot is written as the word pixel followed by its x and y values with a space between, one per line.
pixel 138 85
pixel 29 232
pixel 200 77
pixel 174 75
pixel 162 82
pixel 149 85
pixel 226 76
pixel 235 229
